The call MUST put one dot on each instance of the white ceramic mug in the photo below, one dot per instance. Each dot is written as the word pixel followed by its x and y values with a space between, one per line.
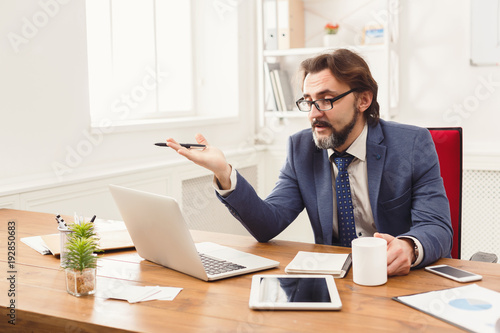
pixel 369 261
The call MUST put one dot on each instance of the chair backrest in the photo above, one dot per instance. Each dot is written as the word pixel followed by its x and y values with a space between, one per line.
pixel 448 142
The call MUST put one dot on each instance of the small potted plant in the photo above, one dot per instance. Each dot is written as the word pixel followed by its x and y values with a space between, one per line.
pixel 330 39
pixel 80 262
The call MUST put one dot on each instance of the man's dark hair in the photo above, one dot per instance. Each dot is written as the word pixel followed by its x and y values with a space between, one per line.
pixel 349 68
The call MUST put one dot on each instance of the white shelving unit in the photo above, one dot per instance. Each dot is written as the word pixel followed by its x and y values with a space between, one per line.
pixel 353 16
pixel 309 51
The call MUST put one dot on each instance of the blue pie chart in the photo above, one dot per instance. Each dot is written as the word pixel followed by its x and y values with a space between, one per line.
pixel 470 304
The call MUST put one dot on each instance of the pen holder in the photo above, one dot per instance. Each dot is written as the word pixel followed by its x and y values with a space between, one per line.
pixel 63 239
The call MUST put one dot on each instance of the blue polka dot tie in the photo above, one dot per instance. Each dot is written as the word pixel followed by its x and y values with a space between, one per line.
pixel 345 212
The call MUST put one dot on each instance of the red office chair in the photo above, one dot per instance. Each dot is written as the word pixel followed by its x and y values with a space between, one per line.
pixel 448 142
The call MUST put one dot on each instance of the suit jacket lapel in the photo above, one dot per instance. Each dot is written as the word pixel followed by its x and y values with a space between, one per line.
pixel 375 159
pixel 324 193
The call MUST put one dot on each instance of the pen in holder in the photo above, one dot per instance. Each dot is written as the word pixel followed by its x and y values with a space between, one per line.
pixel 63 237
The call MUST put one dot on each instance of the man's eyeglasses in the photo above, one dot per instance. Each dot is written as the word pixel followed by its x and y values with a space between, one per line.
pixel 321 104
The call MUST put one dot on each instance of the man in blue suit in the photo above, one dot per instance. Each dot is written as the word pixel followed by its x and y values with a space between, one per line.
pixel 395 182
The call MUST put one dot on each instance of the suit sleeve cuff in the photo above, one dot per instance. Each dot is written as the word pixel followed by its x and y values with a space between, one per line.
pixel 420 248
pixel 225 193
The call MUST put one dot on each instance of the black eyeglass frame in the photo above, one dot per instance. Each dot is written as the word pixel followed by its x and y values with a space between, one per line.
pixel 331 100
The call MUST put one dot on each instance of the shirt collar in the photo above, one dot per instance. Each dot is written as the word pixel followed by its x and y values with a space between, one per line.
pixel 358 147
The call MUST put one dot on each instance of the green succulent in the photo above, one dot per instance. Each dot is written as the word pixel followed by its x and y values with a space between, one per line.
pixel 80 254
pixel 82 230
pixel 81 246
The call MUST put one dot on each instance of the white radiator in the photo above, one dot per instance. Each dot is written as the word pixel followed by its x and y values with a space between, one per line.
pixel 480 212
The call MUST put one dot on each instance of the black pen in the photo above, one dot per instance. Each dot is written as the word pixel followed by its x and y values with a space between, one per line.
pixel 60 221
pixel 185 145
pixel 92 219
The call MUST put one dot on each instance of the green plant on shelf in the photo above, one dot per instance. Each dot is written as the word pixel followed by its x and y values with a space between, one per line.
pixel 331 29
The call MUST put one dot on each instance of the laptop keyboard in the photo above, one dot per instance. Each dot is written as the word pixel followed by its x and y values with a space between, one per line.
pixel 217 266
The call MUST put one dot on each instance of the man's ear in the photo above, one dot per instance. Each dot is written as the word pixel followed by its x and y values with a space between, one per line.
pixel 364 100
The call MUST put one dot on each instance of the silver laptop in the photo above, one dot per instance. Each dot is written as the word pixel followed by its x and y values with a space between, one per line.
pixel 160 234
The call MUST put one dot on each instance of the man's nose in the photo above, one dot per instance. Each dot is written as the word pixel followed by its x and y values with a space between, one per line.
pixel 315 113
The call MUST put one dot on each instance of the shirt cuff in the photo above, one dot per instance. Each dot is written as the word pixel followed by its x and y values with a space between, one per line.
pixel 420 248
pixel 225 193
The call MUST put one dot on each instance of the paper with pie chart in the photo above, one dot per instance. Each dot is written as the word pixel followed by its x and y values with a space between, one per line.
pixel 471 307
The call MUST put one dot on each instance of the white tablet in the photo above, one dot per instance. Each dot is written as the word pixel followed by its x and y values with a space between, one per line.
pixel 294 292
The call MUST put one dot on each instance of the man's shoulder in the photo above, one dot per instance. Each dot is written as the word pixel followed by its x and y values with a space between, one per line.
pixel 391 130
pixel 305 134
pixel 392 126
pixel 302 141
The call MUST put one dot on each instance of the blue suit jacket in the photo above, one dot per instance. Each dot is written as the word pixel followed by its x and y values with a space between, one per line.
pixel 406 190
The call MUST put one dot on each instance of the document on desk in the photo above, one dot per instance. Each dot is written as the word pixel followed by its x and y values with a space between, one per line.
pixel 135 294
pixel 336 264
pixel 112 235
pixel 36 243
pixel 470 307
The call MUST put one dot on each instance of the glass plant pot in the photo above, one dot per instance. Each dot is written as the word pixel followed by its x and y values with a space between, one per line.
pixel 81 283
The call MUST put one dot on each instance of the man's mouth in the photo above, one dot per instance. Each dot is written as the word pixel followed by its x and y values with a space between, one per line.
pixel 318 124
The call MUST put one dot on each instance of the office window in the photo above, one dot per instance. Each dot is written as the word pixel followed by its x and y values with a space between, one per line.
pixel 157 60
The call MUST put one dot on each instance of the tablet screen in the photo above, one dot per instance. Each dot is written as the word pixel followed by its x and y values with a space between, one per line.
pixel 294 292
pixel 286 290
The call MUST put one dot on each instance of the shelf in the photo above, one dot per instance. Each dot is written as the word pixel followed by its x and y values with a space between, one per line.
pixel 317 50
pixel 285 114
pixel 289 52
pixel 355 15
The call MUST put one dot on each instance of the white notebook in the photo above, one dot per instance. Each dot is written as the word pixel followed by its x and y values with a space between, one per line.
pixel 336 264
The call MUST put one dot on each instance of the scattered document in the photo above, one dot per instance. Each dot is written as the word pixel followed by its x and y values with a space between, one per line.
pixel 336 264
pixel 36 243
pixel 471 307
pixel 134 294
pixel 113 235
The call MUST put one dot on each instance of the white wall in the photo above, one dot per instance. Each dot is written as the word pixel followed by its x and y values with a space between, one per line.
pixel 44 94
pixel 438 86
pixel 44 100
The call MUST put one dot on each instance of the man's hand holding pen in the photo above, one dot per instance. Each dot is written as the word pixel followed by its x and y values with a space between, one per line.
pixel 210 158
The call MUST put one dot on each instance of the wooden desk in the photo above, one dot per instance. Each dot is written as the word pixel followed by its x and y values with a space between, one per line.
pixel 42 303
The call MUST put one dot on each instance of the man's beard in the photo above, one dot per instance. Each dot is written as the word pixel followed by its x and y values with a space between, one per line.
pixel 337 138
